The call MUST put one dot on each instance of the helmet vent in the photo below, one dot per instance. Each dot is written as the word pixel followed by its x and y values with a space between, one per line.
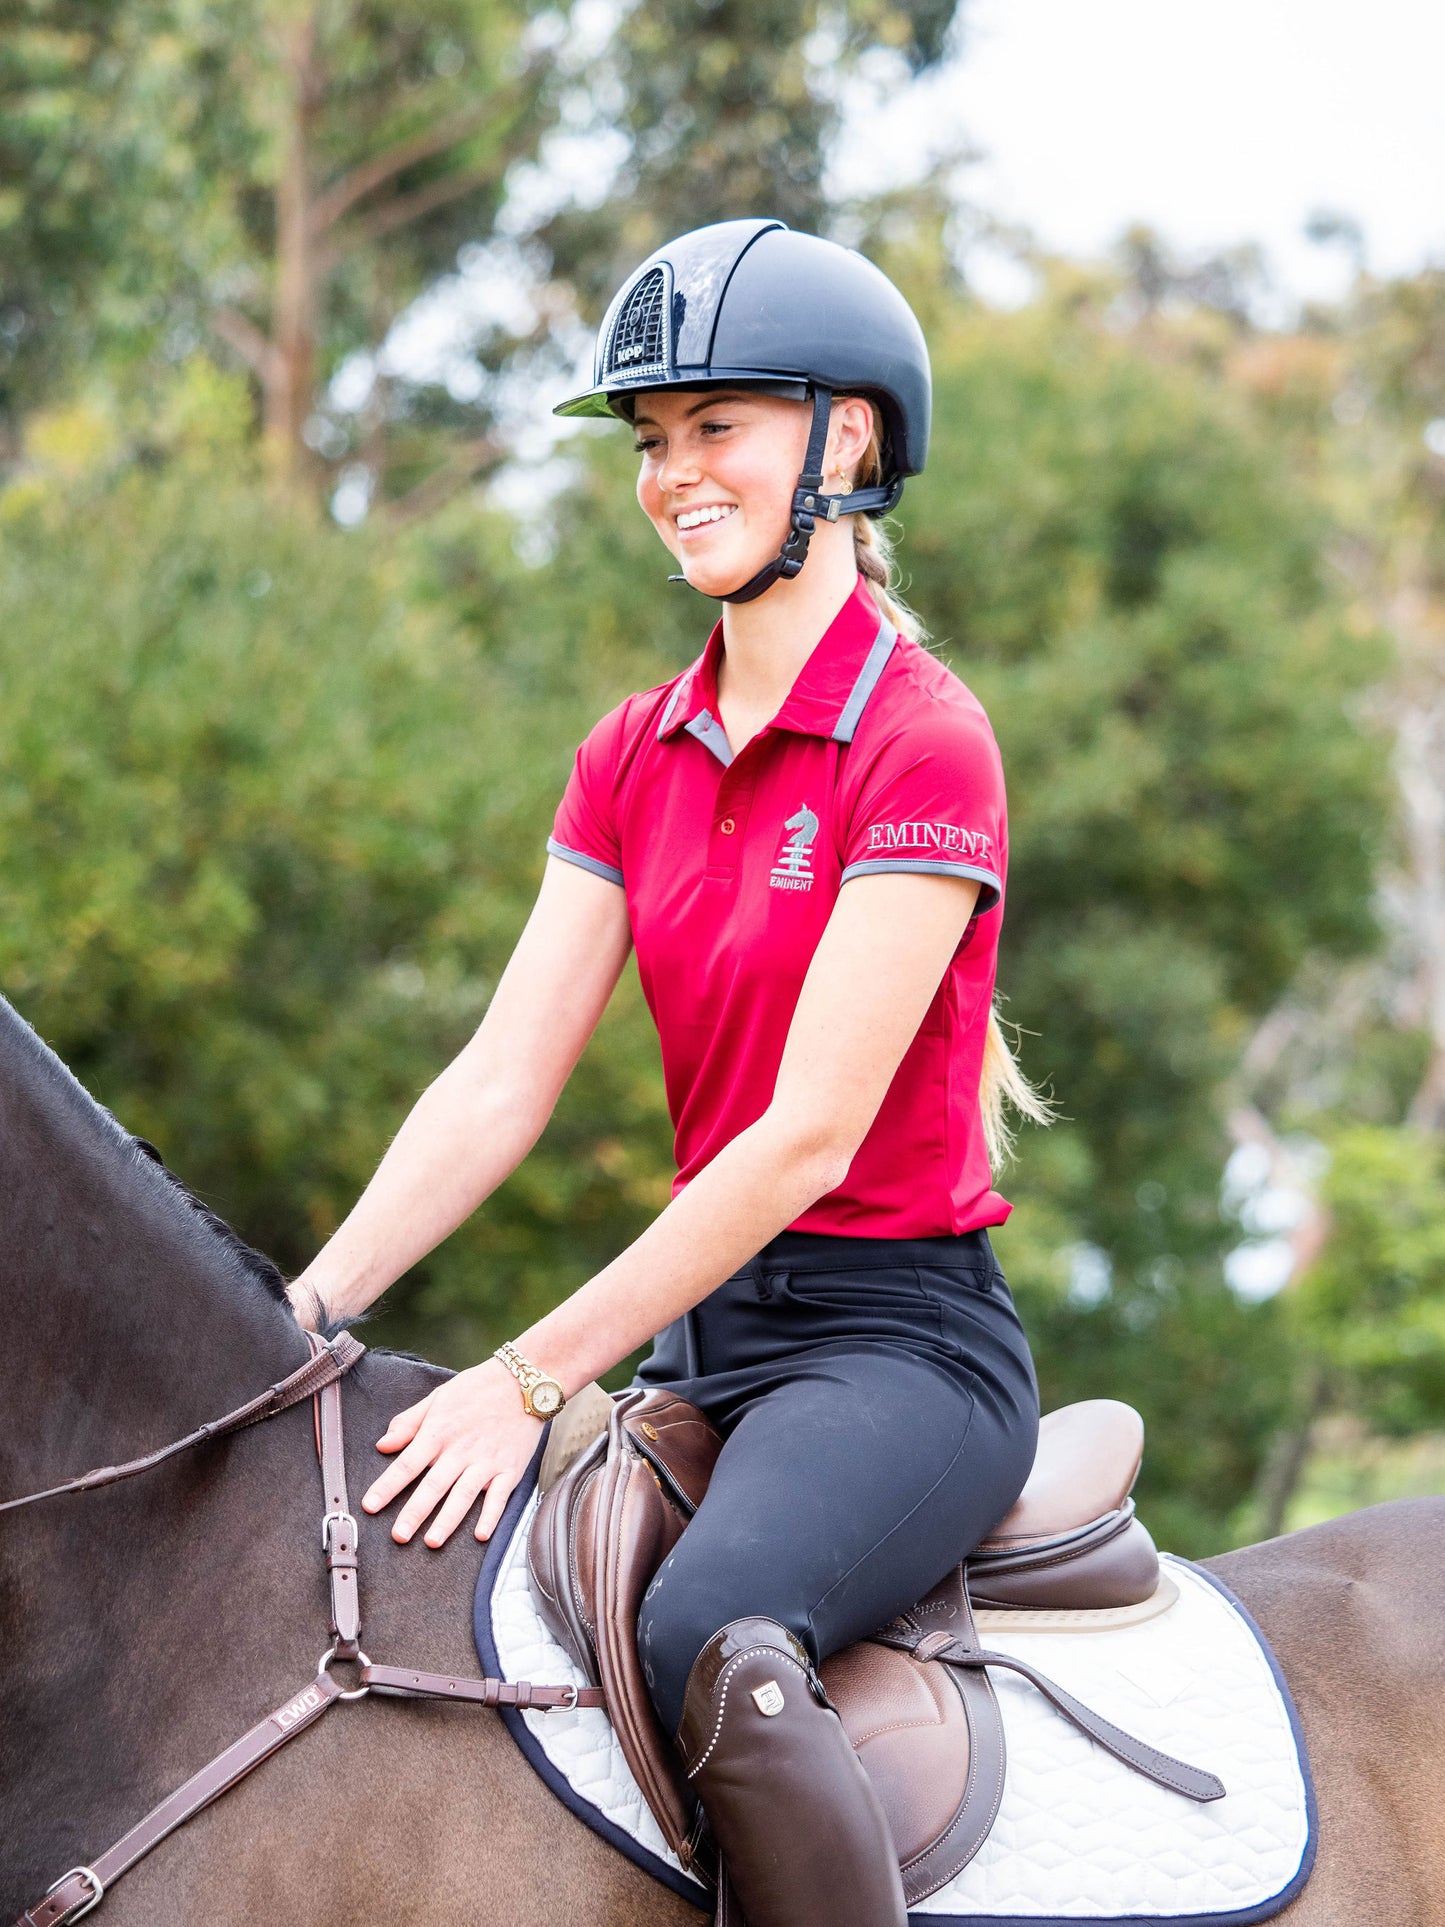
pixel 639 343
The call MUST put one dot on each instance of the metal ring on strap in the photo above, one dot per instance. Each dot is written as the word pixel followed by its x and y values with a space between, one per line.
pixel 323 1668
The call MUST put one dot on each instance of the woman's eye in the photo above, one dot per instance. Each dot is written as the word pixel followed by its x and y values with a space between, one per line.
pixel 644 448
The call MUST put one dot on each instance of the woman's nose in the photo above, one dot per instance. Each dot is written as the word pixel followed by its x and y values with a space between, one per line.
pixel 680 469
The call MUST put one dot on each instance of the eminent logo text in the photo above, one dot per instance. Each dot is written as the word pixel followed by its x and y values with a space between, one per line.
pixel 793 869
pixel 923 837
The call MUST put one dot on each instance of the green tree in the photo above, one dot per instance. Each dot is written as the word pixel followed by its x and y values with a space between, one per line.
pixel 1116 560
pixel 1369 1314
pixel 729 109
pixel 79 153
pixel 286 174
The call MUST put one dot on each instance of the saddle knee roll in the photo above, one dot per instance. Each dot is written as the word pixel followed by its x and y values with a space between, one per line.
pixel 598 1537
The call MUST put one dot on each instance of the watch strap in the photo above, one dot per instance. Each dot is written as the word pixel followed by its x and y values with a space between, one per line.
pixel 527 1375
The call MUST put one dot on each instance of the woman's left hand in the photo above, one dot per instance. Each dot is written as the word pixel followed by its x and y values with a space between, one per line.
pixel 471 1434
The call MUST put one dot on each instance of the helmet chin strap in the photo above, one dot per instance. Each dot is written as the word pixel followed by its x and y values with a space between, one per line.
pixel 809 502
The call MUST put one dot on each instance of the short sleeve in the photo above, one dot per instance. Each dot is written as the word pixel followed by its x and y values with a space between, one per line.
pixel 932 802
pixel 584 831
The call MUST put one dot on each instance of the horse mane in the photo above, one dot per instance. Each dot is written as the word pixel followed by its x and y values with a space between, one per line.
pixel 255 1263
pixel 55 1081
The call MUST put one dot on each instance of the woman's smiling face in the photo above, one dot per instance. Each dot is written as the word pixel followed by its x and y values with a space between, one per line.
pixel 717 478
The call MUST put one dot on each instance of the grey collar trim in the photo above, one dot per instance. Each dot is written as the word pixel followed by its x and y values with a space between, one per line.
pixel 672 702
pixel 709 731
pixel 874 663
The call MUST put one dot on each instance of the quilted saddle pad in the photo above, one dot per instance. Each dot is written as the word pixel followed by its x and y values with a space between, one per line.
pixel 1079 1837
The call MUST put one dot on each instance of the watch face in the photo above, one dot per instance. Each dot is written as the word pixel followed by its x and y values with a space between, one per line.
pixel 547 1397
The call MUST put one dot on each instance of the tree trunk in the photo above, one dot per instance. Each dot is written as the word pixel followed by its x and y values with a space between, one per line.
pixel 290 380
pixel 1288 1458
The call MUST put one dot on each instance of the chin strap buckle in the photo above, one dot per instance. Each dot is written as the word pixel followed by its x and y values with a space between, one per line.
pixel 810 502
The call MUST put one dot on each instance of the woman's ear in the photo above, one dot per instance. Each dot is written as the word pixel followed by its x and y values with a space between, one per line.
pixel 850 430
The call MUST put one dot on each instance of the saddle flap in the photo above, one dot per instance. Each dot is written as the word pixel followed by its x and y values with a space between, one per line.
pixel 634 1528
pixel 567 1608
pixel 597 1539
pixel 929 1740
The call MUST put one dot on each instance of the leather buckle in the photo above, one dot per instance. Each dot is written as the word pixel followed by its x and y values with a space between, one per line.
pixel 337 1519
pixel 82 1873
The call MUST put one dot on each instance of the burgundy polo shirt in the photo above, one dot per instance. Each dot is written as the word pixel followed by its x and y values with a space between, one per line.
pixel 879 760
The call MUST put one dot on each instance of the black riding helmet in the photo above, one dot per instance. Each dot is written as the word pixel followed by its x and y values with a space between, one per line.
pixel 751 304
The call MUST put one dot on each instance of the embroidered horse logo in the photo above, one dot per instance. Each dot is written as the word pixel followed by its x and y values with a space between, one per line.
pixel 793 870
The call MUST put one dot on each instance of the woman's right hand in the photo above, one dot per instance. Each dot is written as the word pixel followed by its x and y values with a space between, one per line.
pixel 305 1303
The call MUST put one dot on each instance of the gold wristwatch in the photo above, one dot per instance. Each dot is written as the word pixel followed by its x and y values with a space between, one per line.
pixel 542 1396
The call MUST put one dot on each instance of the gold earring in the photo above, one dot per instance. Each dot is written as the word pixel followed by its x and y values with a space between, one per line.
pixel 845 487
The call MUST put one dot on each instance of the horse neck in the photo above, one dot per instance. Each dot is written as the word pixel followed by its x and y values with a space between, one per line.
pixel 125 1318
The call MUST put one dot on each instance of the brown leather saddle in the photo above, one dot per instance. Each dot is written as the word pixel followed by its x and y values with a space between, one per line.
pixel 620 1480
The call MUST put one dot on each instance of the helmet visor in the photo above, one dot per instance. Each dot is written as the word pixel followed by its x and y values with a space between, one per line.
pixel 617 398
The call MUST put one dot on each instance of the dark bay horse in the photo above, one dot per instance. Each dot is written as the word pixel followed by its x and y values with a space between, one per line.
pixel 146 1625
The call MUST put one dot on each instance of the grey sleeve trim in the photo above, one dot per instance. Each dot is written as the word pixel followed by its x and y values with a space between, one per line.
pixel 583 862
pixel 874 663
pixel 924 866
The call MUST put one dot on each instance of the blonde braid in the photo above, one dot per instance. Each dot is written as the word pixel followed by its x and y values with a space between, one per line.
pixel 873 551
pixel 1002 1085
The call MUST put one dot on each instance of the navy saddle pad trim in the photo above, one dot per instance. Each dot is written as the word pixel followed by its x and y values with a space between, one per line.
pixel 690 1890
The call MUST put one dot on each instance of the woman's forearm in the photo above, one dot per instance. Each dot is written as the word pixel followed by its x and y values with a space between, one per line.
pixel 462 1137
pixel 754 1188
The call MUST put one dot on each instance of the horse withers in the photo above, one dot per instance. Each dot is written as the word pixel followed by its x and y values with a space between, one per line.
pixel 144 1626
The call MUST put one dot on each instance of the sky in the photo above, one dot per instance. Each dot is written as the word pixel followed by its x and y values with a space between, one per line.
pixel 1214 124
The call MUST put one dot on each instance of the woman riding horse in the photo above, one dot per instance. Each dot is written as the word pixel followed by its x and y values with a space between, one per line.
pixel 804 836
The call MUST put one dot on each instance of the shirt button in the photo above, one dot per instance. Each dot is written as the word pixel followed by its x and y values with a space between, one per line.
pixel 727 826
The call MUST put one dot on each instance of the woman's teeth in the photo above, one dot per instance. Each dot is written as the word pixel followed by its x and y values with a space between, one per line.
pixel 695 518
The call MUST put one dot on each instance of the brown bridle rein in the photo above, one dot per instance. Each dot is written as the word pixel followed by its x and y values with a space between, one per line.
pixel 319 1379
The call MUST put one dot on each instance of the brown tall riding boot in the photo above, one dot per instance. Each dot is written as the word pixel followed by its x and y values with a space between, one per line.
pixel 803 1838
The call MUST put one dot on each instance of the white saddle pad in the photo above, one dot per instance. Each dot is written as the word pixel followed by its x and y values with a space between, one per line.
pixel 1079 1837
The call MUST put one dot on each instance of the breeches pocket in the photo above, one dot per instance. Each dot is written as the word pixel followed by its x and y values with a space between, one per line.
pixel 889 1302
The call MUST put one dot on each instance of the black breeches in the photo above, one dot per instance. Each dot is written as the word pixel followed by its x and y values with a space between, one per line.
pixel 880 1413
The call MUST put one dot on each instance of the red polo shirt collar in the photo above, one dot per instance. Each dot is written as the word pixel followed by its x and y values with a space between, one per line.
pixel 828 696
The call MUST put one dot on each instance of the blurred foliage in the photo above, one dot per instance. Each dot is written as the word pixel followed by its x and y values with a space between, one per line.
pixel 1352 1061
pixel 1111 553
pixel 728 109
pixel 1126 578
pixel 284 178
pixel 1370 1311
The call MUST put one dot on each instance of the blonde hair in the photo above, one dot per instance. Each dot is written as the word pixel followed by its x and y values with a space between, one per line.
pixel 873 549
pixel 1002 1086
